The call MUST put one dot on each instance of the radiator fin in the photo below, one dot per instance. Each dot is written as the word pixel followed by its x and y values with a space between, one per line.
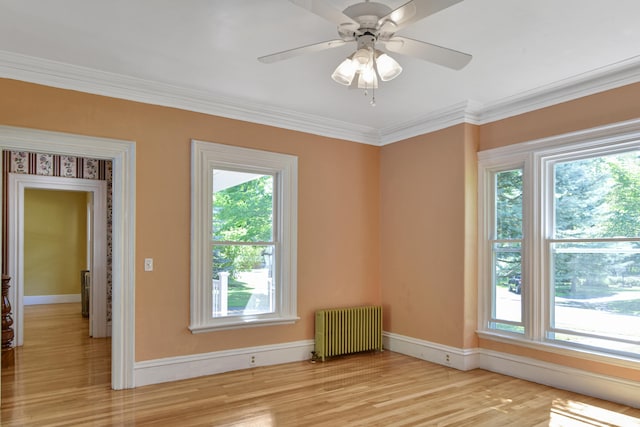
pixel 348 330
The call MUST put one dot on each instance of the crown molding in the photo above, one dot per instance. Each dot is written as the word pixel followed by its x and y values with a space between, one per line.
pixel 462 112
pixel 605 78
pixel 66 76
pixel 599 80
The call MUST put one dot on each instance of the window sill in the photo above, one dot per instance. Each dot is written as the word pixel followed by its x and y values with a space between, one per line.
pixel 241 323
pixel 548 347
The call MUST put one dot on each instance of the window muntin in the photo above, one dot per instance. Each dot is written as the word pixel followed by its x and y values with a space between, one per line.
pixel 568 235
pixel 244 237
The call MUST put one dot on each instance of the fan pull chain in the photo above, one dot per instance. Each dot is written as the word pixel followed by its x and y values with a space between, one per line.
pixel 373 95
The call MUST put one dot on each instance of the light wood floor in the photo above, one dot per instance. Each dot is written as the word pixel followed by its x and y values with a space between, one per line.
pixel 61 377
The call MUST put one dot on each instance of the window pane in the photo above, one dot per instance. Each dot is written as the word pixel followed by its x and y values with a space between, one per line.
pixel 507 301
pixel 509 204
pixel 597 288
pixel 243 280
pixel 242 206
pixel 598 197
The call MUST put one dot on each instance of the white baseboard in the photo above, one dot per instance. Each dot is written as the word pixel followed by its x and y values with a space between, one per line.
pixel 50 299
pixel 614 389
pixel 462 359
pixel 197 365
pixel 610 388
pixel 601 386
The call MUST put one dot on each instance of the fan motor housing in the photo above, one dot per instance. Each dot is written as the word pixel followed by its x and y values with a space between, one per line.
pixel 367 14
pixel 367 40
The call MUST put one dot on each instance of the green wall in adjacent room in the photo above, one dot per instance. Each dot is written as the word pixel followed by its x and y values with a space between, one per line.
pixel 55 241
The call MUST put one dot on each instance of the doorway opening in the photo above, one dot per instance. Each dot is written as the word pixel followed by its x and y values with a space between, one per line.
pixel 122 155
pixel 20 185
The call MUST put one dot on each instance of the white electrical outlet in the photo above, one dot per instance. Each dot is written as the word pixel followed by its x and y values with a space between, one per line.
pixel 148 264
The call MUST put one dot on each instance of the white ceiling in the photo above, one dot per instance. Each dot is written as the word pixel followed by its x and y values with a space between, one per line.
pixel 201 55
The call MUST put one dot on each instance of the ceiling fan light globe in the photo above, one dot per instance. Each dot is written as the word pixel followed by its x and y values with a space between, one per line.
pixel 368 79
pixel 345 72
pixel 388 68
pixel 362 59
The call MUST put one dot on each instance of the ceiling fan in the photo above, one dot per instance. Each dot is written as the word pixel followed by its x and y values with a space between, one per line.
pixel 370 25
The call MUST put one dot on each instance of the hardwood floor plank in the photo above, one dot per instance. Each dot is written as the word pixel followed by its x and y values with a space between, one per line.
pixel 61 377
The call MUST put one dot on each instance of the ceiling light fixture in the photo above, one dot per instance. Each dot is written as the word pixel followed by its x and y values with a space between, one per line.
pixel 369 65
pixel 368 23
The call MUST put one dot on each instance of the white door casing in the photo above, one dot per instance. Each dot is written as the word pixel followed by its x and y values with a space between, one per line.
pixel 122 154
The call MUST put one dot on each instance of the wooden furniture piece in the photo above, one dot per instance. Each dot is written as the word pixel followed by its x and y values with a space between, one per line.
pixel 85 283
pixel 7 321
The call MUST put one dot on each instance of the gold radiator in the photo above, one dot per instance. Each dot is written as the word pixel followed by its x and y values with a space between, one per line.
pixel 348 330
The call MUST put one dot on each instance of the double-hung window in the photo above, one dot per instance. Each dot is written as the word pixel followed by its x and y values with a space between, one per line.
pixel 559 246
pixel 244 210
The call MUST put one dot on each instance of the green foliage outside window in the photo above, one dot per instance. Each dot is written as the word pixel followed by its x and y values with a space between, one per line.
pixel 595 198
pixel 242 214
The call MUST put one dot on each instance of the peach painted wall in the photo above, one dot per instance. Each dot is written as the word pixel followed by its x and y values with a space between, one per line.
pixel 613 106
pixel 55 241
pixel 338 229
pixel 428 229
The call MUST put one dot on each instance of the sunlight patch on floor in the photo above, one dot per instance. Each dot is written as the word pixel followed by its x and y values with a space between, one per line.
pixel 264 419
pixel 572 413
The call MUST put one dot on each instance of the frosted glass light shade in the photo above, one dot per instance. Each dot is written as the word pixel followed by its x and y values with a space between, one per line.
pixel 388 68
pixel 368 79
pixel 345 72
pixel 362 59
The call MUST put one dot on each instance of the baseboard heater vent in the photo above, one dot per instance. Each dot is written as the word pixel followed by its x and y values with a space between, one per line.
pixel 348 330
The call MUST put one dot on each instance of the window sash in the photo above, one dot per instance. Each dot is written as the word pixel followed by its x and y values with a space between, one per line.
pixel 497 303
pixel 580 324
pixel 261 299
pixel 503 306
pixel 274 197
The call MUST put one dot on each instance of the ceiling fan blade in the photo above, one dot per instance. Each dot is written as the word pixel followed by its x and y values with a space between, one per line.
pixel 429 52
pixel 324 10
pixel 286 54
pixel 414 11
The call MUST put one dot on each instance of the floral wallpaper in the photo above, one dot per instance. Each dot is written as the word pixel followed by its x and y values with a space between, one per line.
pixel 56 165
pixel 69 167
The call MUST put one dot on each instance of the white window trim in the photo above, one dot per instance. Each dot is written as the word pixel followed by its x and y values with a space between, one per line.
pixel 206 156
pixel 533 157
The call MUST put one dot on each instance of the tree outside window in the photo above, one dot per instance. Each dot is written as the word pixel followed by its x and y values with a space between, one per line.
pixel 561 252
pixel 243 245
